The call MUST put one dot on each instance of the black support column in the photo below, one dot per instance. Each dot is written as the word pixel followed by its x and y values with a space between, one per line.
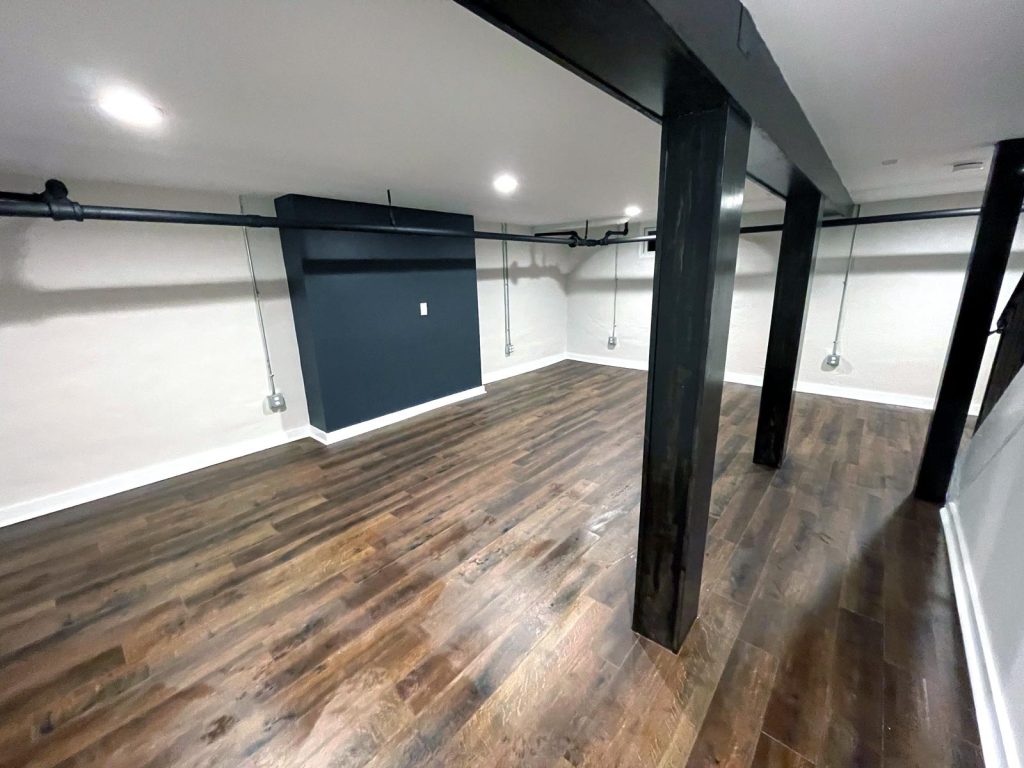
pixel 703 161
pixel 800 229
pixel 985 269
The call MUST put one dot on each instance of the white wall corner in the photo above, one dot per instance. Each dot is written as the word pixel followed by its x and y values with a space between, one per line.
pixel 990 704
pixel 521 368
pixel 617 362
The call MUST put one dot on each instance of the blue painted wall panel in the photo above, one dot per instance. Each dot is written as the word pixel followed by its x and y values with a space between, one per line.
pixel 365 349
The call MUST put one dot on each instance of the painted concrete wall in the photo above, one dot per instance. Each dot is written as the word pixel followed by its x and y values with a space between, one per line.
pixel 130 352
pixel 537 303
pixel 592 303
pixel 903 292
pixel 985 528
pixel 128 349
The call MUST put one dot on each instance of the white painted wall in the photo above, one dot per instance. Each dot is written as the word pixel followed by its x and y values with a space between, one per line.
pixel 537 304
pixel 590 288
pixel 268 265
pixel 985 531
pixel 902 298
pixel 131 351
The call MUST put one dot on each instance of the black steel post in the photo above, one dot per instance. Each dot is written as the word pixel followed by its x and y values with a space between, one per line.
pixel 993 239
pixel 703 158
pixel 800 229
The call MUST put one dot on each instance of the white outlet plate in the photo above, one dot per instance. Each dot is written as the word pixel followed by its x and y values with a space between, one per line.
pixel 423 309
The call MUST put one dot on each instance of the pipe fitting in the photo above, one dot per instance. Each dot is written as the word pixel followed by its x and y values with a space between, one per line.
pixel 62 208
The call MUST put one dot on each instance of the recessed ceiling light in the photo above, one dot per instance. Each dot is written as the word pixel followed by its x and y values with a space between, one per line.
pixel 130 107
pixel 506 183
pixel 632 211
pixel 968 165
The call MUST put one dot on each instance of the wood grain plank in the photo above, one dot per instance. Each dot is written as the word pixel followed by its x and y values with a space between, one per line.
pixel 456 590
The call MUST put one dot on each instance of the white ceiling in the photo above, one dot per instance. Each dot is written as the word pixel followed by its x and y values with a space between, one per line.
pixel 326 97
pixel 927 82
pixel 345 98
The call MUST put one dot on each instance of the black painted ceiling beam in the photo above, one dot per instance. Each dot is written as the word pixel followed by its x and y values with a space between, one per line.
pixel 647 53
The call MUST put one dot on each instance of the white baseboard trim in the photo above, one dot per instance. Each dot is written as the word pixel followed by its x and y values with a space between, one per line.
pixel 126 481
pixel 837 390
pixel 136 478
pixel 345 433
pixel 748 379
pixel 855 393
pixel 867 395
pixel 989 702
pixel 617 362
pixel 517 370
pixel 808 387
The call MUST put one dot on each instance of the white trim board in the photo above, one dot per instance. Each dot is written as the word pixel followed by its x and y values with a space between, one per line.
pixel 136 478
pixel 616 362
pixel 154 473
pixel 990 703
pixel 838 390
pixel 126 481
pixel 521 368
pixel 807 387
pixel 851 393
pixel 345 433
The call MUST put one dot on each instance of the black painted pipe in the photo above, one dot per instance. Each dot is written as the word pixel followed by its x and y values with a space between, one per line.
pixel 881 218
pixel 570 233
pixel 54 204
pixel 622 232
pixel 41 210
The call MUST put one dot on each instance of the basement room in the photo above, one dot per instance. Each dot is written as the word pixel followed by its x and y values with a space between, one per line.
pixel 516 383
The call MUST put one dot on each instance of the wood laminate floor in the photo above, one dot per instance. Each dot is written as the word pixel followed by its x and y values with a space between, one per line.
pixel 456 591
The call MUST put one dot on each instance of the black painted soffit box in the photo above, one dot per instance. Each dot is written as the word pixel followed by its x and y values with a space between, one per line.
pixel 640 51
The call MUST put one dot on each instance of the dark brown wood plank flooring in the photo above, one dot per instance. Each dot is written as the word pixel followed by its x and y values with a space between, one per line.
pixel 456 591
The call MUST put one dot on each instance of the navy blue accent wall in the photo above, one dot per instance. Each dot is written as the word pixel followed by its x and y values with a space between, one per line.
pixel 364 347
